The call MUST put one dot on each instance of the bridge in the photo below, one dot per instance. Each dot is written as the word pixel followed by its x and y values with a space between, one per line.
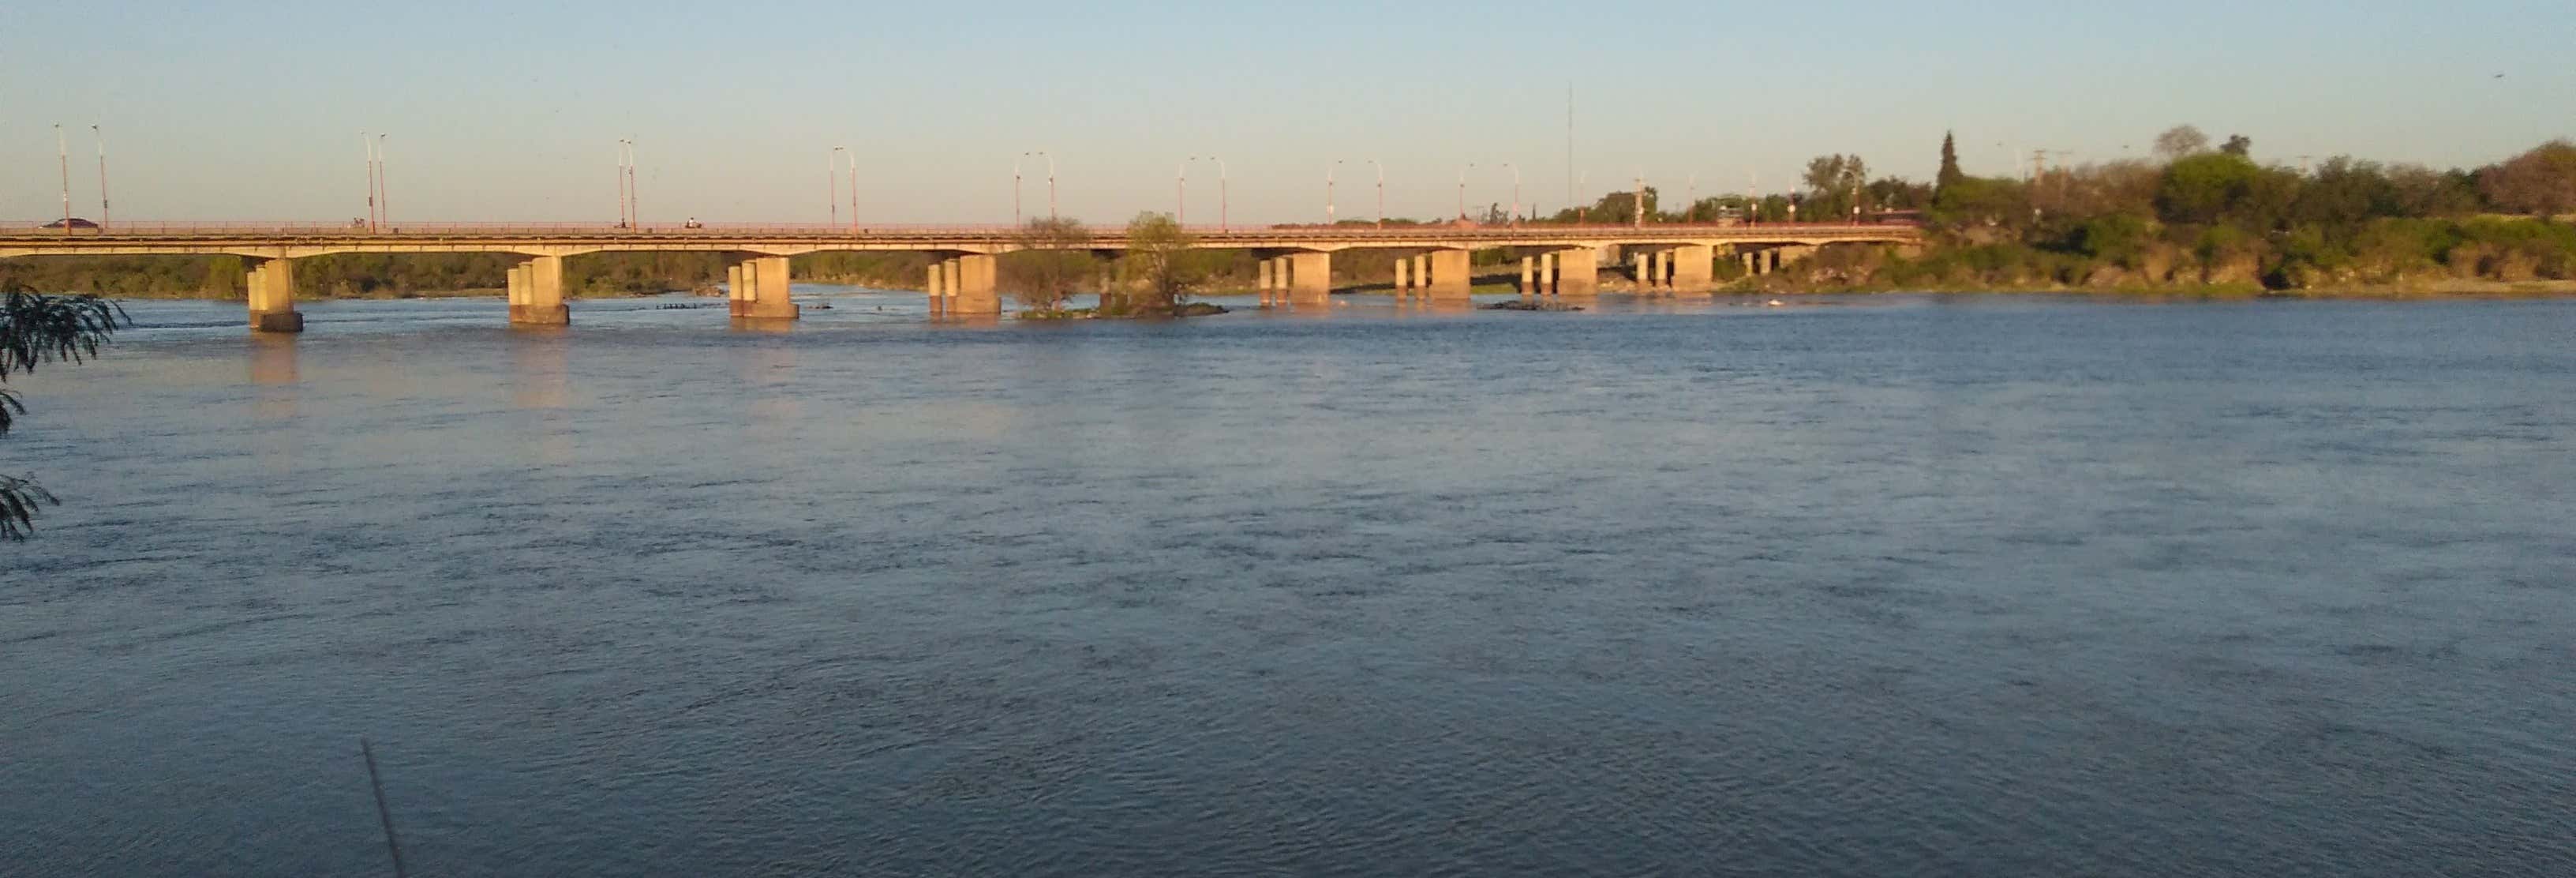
pixel 1295 262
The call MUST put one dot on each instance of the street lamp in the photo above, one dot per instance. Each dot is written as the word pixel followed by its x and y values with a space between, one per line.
pixel 1015 191
pixel 1221 187
pixel 854 188
pixel 1462 190
pixel 384 193
pixel 1181 185
pixel 1381 193
pixel 1050 160
pixel 622 216
pixel 1639 202
pixel 102 176
pixel 1328 191
pixel 63 156
pixel 832 199
pixel 1690 206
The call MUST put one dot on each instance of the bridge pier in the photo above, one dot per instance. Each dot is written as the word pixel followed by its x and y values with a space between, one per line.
pixel 1448 274
pixel 1694 268
pixel 1310 278
pixel 1268 268
pixel 1403 278
pixel 936 288
pixel 1578 273
pixel 760 289
pixel 1547 273
pixel 536 293
pixel 971 285
pixel 271 286
pixel 1529 276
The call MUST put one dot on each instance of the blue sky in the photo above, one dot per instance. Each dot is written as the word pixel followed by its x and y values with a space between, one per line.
pixel 511 111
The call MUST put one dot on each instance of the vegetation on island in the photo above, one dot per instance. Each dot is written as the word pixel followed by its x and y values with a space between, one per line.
pixel 37 329
pixel 2193 217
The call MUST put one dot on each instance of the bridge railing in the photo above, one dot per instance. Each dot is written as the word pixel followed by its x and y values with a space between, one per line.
pixel 1291 231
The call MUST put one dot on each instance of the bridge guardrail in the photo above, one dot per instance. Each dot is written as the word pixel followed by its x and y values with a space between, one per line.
pixel 238 228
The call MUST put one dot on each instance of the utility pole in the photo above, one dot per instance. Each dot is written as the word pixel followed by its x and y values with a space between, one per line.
pixel 103 216
pixel 853 156
pixel 1181 186
pixel 1050 159
pixel 1015 192
pixel 832 199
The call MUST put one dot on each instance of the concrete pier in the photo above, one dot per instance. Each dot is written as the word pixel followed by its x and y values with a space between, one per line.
pixel 1578 273
pixel 935 286
pixel 1310 279
pixel 1450 275
pixel 271 286
pixel 1267 272
pixel 1403 278
pixel 1694 268
pixel 975 289
pixel 540 299
pixel 763 291
pixel 1547 274
pixel 1529 276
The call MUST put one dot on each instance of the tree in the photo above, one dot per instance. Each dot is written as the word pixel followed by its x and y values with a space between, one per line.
pixel 1159 256
pixel 1950 174
pixel 2205 187
pixel 2180 141
pixel 1054 258
pixel 2540 182
pixel 2237 145
pixel 37 329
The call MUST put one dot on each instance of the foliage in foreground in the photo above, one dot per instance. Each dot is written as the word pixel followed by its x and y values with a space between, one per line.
pixel 34 330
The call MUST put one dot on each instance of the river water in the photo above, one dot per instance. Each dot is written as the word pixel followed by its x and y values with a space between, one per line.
pixel 1870 586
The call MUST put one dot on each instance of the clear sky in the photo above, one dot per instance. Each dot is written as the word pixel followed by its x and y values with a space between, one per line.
pixel 511 110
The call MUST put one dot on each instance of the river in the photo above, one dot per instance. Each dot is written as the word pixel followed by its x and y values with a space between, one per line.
pixel 1870 586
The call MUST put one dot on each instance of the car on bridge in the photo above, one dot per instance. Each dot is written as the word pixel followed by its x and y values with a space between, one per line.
pixel 71 222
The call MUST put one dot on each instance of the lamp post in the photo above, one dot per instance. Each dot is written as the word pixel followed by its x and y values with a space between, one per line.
pixel 63 156
pixel 1690 206
pixel 634 196
pixel 1639 202
pixel 624 219
pixel 854 189
pixel 1221 195
pixel 1328 191
pixel 1462 189
pixel 832 199
pixel 103 216
pixel 1181 185
pixel 384 193
pixel 1050 160
pixel 1381 193
pixel 1015 191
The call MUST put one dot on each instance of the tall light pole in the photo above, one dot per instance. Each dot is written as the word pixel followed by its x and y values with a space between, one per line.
pixel 625 220
pixel 635 197
pixel 1462 189
pixel 1381 193
pixel 102 176
pixel 1516 192
pixel 1015 191
pixel 1690 207
pixel 832 168
pixel 854 188
pixel 63 155
pixel 1181 185
pixel 1050 160
pixel 384 192
pixel 369 145
pixel 1328 191
pixel 1639 202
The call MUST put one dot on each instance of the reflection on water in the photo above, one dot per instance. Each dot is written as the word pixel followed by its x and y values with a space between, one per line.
pixel 1863 586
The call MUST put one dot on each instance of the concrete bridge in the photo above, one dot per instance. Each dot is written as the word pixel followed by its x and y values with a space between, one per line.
pixel 1295 261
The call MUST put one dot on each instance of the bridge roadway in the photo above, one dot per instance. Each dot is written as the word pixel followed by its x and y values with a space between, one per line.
pixel 1295 261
